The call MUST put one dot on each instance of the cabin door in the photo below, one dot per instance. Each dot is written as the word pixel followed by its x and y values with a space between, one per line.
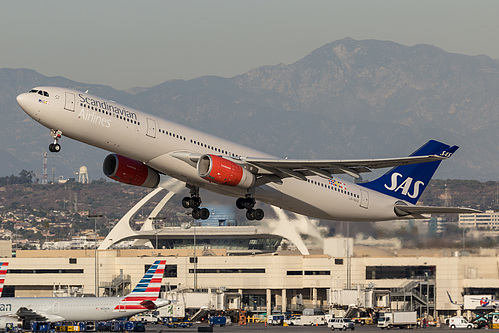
pixel 70 102
pixel 364 199
pixel 151 128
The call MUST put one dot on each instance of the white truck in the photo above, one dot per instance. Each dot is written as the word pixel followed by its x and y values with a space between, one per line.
pixel 313 317
pixel 400 319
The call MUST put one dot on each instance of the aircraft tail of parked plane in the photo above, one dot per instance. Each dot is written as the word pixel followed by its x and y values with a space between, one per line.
pixel 147 290
pixel 144 297
pixel 3 273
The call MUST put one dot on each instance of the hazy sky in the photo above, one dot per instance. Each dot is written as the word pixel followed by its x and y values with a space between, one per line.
pixel 143 43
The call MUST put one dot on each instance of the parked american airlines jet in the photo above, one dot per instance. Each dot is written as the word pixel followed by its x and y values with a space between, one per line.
pixel 144 297
pixel 146 146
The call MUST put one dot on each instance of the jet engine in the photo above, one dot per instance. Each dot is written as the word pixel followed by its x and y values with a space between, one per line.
pixel 129 171
pixel 222 171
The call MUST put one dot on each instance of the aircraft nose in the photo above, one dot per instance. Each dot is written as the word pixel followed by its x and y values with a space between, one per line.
pixel 22 101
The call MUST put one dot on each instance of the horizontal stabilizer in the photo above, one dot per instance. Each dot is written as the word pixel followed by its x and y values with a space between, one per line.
pixel 419 210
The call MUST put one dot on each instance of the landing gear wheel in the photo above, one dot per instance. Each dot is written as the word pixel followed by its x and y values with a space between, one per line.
pixel 194 202
pixel 204 213
pixel 258 214
pixel 55 147
pixel 250 214
pixel 248 202
pixel 200 214
pixel 186 202
pixel 254 214
pixel 239 203
pixel 196 214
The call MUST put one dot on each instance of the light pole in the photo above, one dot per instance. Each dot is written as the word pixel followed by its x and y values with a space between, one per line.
pixel 95 216
pixel 195 260
pixel 154 218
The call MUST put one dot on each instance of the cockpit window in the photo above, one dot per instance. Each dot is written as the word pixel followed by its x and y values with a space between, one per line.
pixel 39 92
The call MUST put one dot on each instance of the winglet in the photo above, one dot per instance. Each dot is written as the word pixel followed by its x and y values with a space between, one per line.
pixel 3 273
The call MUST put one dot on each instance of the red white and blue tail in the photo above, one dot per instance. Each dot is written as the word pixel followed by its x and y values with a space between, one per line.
pixel 146 292
pixel 3 273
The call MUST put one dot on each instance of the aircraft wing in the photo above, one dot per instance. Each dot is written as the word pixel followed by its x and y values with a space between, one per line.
pixel 419 210
pixel 33 315
pixel 283 168
pixel 326 168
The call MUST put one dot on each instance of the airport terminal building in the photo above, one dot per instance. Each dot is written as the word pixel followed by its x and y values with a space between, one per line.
pixel 244 267
pixel 278 282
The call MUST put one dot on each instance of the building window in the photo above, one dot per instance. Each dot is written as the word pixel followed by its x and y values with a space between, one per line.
pixel 170 270
pixel 294 273
pixel 73 261
pixel 338 261
pixel 45 271
pixel 317 272
pixel 400 272
pixel 227 270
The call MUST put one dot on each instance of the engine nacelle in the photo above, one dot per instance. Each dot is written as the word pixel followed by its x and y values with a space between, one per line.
pixel 128 171
pixel 220 170
pixel 4 320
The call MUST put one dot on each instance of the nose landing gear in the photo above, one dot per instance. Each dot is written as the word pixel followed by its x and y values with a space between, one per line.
pixel 248 202
pixel 55 147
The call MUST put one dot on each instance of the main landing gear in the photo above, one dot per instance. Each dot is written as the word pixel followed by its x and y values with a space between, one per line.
pixel 194 201
pixel 248 202
pixel 56 135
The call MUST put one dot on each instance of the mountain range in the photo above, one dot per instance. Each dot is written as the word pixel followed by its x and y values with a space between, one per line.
pixel 347 99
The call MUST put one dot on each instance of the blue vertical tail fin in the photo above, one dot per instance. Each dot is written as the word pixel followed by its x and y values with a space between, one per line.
pixel 407 182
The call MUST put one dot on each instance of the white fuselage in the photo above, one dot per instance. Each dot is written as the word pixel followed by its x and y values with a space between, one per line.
pixel 69 308
pixel 152 140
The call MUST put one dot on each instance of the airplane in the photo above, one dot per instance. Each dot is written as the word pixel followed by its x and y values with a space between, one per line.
pixel 145 148
pixel 144 297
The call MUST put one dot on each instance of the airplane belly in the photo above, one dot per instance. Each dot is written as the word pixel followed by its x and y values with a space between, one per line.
pixel 322 202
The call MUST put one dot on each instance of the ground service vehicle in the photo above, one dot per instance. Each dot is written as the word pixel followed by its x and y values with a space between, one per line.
pixel 398 319
pixel 218 320
pixel 173 322
pixel 275 320
pixel 340 323
pixel 313 317
pixel 459 322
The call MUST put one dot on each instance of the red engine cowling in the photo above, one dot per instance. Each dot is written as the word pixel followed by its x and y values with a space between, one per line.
pixel 219 170
pixel 128 171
